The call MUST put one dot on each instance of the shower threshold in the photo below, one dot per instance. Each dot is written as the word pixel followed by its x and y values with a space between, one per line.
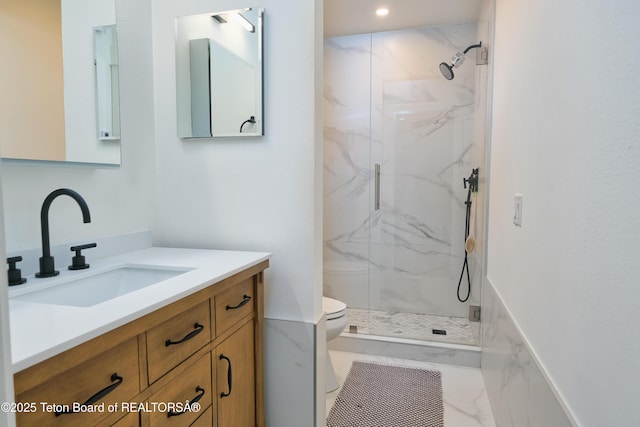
pixel 410 336
pixel 413 326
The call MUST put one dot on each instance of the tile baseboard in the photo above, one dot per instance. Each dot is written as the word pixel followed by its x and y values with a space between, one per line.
pixel 428 351
pixel 521 393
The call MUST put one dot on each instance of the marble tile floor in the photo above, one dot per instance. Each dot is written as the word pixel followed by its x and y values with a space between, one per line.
pixel 465 399
pixel 413 326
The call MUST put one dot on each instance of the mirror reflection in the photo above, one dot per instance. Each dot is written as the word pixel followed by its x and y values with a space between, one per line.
pixel 59 81
pixel 219 74
pixel 107 85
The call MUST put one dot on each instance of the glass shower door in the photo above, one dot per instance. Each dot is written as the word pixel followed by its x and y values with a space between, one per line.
pixel 421 138
pixel 347 173
pixel 399 139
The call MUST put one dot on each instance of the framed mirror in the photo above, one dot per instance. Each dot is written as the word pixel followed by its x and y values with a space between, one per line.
pixel 219 74
pixel 59 84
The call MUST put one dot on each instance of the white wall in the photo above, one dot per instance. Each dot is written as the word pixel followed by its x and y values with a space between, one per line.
pixel 249 193
pixel 566 120
pixel 260 193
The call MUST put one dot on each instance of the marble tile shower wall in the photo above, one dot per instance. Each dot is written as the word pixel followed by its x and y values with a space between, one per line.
pixel 387 103
pixel 518 391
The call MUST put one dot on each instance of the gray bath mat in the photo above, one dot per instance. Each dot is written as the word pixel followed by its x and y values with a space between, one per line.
pixel 376 395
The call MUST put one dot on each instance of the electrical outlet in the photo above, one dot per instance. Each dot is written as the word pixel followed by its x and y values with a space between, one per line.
pixel 517 210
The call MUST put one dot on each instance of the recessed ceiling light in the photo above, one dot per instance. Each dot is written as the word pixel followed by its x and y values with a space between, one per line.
pixel 383 11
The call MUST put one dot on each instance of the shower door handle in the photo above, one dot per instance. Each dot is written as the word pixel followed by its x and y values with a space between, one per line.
pixel 376 202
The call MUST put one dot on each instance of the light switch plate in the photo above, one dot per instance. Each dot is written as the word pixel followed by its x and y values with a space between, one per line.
pixel 517 210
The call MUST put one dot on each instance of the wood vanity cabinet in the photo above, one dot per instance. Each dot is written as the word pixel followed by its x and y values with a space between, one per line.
pixel 205 348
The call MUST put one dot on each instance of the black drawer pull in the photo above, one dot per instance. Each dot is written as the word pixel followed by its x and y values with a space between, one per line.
pixel 197 329
pixel 200 392
pixel 229 374
pixel 99 395
pixel 245 299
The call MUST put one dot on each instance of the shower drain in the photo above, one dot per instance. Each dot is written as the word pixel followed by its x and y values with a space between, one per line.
pixel 438 332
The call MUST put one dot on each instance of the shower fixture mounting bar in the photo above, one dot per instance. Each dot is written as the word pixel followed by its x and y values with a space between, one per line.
pixel 473 188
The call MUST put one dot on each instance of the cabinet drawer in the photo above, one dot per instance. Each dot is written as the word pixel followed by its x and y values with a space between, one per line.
pixel 193 385
pixel 108 378
pixel 176 339
pixel 131 420
pixel 233 304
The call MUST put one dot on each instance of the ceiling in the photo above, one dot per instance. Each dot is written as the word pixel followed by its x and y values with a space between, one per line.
pixel 343 17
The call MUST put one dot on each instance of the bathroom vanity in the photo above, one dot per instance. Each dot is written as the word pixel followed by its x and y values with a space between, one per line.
pixel 186 350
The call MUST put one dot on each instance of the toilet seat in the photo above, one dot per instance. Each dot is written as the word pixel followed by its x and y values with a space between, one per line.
pixel 336 321
pixel 333 308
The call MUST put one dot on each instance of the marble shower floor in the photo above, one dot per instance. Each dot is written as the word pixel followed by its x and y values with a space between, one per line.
pixel 412 326
pixel 465 399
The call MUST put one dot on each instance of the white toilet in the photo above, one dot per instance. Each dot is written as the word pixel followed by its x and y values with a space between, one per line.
pixel 336 322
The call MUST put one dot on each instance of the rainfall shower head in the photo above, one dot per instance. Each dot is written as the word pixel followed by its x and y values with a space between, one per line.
pixel 456 61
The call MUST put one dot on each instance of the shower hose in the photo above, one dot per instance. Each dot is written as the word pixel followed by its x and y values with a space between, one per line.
pixel 473 187
pixel 465 265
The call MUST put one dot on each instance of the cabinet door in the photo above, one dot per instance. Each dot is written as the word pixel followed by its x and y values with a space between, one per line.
pixel 234 364
pixel 205 420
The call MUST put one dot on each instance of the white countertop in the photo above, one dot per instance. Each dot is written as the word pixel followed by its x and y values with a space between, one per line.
pixel 40 331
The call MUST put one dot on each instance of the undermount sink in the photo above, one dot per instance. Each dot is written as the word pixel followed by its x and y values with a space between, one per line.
pixel 101 286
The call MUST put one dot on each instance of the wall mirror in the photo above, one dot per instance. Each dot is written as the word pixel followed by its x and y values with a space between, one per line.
pixel 219 74
pixel 59 81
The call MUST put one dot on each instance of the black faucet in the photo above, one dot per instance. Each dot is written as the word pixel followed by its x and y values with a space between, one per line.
pixel 47 267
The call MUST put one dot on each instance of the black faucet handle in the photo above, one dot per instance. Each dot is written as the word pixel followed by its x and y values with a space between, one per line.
pixel 13 260
pixel 15 275
pixel 78 261
pixel 79 248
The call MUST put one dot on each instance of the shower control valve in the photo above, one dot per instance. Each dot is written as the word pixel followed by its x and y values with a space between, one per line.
pixel 472 180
